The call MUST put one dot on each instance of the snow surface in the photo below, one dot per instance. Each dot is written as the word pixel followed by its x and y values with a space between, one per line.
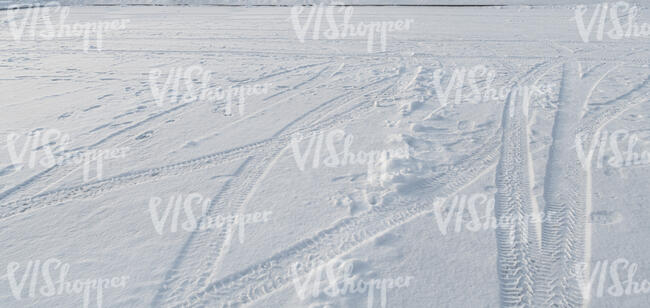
pixel 379 221
pixel 5 3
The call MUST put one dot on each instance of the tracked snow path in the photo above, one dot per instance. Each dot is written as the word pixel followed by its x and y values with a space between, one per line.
pixel 591 127
pixel 58 172
pixel 259 280
pixel 517 232
pixel 456 147
pixel 530 276
pixel 97 188
pixel 266 277
pixel 200 258
pixel 564 238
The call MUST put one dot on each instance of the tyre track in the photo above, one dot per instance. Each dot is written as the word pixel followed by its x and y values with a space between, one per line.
pixel 209 247
pixel 564 230
pixel 596 120
pixel 96 188
pixel 517 240
pixel 61 171
pixel 640 61
pixel 591 129
pixel 196 260
pixel 273 274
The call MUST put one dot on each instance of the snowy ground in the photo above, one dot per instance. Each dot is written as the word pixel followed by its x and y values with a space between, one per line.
pixel 301 2
pixel 410 214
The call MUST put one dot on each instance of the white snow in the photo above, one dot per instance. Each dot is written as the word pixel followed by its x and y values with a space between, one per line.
pixel 395 164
